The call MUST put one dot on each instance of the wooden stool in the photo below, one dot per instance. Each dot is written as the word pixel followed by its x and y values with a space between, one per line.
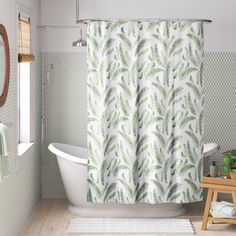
pixel 212 195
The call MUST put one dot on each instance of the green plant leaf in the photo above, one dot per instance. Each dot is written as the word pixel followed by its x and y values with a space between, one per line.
pixel 200 122
pixel 127 187
pixel 193 137
pixel 159 186
pixel 125 88
pixel 141 94
pixel 191 105
pixel 141 190
pixel 126 138
pixel 110 189
pixel 141 142
pixel 103 171
pixel 174 142
pixel 177 43
pixel 196 40
pixel 161 89
pixel 195 89
pixel 160 138
pixel 126 41
pixel 186 120
pixel 152 168
pixel 110 141
pixel 175 93
pixel 140 46
pixel 192 185
pixel 120 168
pixel 187 72
pixel 172 190
pixel 107 45
pixel 186 168
pixel 94 187
pixel 153 120
pixel 191 154
pixel 110 92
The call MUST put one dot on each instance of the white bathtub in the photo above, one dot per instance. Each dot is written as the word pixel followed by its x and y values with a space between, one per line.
pixel 73 161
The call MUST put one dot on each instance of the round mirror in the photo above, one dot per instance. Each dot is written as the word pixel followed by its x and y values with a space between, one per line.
pixel 4 65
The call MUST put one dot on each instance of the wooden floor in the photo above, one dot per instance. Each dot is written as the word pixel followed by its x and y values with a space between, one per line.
pixel 52 219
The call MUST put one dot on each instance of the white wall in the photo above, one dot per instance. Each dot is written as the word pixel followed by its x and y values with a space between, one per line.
pixel 59 12
pixel 219 36
pixel 8 18
pixel 21 192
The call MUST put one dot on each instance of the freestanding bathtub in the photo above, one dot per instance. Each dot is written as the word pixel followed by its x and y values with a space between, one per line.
pixel 73 161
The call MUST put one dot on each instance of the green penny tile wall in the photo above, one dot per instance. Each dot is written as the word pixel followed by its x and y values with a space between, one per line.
pixel 66 110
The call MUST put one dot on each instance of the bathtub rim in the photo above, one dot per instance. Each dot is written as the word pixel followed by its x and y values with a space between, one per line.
pixel 57 149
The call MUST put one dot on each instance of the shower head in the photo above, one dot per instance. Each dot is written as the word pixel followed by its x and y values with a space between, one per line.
pixel 80 42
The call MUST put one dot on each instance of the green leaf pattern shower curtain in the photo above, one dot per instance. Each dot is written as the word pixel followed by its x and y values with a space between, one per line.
pixel 145 111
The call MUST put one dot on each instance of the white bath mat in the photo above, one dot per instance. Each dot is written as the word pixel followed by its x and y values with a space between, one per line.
pixel 129 225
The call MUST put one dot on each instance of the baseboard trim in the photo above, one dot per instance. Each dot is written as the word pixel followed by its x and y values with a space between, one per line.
pixel 30 218
pixel 53 190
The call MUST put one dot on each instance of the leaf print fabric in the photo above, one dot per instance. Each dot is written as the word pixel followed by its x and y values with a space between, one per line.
pixel 145 111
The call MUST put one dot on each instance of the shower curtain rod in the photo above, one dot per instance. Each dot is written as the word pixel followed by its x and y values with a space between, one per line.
pixel 86 21
pixel 58 26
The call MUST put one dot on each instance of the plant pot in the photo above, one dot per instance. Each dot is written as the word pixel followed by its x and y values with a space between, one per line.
pixel 233 173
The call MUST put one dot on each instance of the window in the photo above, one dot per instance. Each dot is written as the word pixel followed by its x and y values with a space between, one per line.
pixel 24 102
pixel 25 58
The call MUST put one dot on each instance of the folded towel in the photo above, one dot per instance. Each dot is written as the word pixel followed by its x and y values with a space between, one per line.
pixel 218 214
pixel 223 208
pixel 4 170
pixel 3 140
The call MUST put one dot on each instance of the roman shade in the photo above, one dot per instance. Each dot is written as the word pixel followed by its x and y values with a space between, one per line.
pixel 24 40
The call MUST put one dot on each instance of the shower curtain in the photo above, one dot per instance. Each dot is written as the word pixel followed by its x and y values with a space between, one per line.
pixel 145 111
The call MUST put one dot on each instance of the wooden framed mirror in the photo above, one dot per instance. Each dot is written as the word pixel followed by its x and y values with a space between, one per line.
pixel 4 65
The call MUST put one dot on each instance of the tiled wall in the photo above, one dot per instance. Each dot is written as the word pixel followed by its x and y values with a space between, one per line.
pixel 64 106
pixel 220 101
pixel 66 111
pixel 7 114
pixel 20 192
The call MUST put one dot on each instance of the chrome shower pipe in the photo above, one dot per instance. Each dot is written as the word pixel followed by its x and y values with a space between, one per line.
pixel 77 11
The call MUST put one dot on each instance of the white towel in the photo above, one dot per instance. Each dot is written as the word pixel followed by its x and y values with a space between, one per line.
pixel 218 214
pixel 4 169
pixel 223 210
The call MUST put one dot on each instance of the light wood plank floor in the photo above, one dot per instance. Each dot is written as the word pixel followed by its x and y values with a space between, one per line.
pixel 52 219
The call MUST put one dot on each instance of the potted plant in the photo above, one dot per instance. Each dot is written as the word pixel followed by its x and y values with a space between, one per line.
pixel 229 163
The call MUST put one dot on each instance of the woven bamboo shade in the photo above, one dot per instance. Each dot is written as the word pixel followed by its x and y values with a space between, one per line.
pixel 24 41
